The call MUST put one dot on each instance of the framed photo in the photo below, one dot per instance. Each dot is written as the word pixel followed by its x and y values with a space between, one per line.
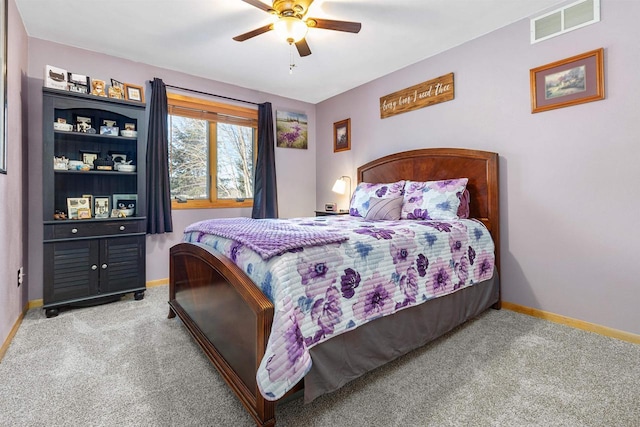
pixel 84 213
pixel 571 81
pixel 83 124
pixel 74 204
pixel 88 157
pixel 102 206
pixel 133 92
pixel 125 203
pixel 116 90
pixel 342 135
pixel 90 197
pixel 108 130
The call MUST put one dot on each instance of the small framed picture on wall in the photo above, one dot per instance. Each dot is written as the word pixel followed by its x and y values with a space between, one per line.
pixel 342 135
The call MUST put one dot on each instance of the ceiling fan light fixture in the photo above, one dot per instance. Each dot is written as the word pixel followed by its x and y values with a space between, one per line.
pixel 290 28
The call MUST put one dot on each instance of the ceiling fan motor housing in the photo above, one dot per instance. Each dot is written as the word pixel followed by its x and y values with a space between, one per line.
pixel 295 9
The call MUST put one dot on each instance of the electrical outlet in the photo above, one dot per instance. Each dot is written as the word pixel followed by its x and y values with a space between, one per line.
pixel 20 275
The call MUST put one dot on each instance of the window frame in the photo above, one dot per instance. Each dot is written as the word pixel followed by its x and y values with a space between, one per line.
pixel 208 110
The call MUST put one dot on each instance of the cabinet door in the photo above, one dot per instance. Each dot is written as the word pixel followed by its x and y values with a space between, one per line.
pixel 70 270
pixel 122 265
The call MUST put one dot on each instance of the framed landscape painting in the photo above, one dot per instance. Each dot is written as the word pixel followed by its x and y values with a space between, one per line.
pixel 567 82
pixel 291 130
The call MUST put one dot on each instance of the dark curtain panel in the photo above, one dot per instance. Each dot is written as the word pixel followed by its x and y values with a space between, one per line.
pixel 265 195
pixel 158 190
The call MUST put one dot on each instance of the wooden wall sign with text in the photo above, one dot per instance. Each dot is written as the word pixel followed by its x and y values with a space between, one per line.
pixel 419 96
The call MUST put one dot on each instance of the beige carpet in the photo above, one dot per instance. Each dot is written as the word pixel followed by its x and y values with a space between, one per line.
pixel 126 364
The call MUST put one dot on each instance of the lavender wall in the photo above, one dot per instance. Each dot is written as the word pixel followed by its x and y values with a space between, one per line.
pixel 12 211
pixel 567 176
pixel 296 168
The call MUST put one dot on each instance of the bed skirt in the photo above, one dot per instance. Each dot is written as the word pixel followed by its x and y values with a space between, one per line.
pixel 350 355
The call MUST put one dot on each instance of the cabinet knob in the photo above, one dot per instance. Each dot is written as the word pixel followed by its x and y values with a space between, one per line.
pixel 122 228
pixel 74 230
pixel 94 267
pixel 104 266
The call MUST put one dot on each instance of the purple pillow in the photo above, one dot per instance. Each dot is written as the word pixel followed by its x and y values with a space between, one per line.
pixel 387 209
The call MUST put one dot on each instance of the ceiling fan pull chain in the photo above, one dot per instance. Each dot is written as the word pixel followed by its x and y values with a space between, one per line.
pixel 291 59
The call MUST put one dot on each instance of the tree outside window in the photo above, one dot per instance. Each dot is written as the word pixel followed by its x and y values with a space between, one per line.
pixel 211 153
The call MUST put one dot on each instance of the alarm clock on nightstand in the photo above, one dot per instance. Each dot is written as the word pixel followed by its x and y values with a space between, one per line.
pixel 330 207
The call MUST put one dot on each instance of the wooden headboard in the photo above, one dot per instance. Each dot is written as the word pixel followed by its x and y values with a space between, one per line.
pixel 430 164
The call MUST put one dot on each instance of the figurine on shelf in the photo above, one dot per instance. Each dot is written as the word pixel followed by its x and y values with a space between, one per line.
pixel 97 87
pixel 59 215
pixel 60 163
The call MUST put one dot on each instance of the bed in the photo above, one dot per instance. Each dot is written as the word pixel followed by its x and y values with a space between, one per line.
pixel 231 319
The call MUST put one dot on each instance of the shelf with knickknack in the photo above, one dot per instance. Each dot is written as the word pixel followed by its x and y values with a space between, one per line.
pixel 94 210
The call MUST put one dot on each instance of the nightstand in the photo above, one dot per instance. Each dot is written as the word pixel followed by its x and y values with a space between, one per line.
pixel 325 213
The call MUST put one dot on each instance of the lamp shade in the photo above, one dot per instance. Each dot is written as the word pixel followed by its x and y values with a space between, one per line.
pixel 291 29
pixel 340 186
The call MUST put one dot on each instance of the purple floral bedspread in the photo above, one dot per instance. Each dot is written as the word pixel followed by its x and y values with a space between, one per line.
pixel 322 291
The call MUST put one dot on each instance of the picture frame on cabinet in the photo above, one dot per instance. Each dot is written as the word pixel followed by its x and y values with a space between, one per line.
pixel 74 204
pixel 83 124
pixel 90 197
pixel 88 157
pixel 116 90
pixel 568 82
pixel 102 206
pixel 125 203
pixel 78 82
pixel 133 92
pixel 84 213
pixel 108 130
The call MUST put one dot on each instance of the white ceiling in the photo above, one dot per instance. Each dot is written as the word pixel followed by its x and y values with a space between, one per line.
pixel 195 37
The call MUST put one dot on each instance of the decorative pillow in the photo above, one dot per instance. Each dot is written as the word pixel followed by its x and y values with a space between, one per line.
pixel 365 191
pixel 433 199
pixel 388 209
pixel 463 210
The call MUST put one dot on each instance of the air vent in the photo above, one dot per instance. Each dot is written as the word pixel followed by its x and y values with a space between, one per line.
pixel 568 18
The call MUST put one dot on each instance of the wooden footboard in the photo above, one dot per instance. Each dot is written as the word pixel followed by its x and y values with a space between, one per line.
pixel 227 315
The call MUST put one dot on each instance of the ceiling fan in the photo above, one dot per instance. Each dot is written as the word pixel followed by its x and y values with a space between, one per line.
pixel 292 23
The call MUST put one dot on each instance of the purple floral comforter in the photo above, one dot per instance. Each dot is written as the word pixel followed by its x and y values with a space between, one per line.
pixel 322 291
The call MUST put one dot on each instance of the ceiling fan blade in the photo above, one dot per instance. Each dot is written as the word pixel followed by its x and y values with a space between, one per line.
pixel 260 5
pixel 256 32
pixel 330 24
pixel 303 47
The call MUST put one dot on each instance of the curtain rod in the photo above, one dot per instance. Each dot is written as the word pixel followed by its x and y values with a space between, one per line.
pixel 212 94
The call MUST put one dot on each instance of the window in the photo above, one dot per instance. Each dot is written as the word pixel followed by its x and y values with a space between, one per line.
pixel 211 153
